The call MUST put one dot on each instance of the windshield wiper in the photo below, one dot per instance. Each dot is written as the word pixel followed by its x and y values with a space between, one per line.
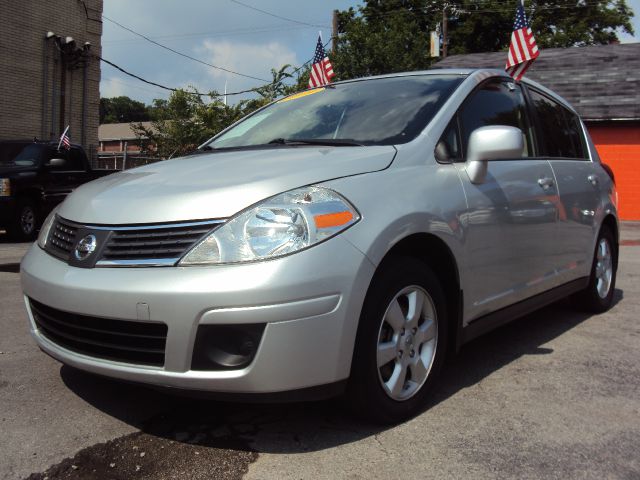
pixel 203 149
pixel 332 142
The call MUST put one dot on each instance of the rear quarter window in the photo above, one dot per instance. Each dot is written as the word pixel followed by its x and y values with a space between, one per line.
pixel 560 131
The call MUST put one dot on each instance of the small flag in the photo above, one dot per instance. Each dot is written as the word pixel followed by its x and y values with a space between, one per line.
pixel 321 69
pixel 64 139
pixel 523 49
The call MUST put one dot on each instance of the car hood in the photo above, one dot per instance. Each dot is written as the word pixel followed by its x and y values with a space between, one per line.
pixel 214 185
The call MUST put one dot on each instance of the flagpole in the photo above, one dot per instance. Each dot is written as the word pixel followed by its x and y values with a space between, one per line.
pixel 62 136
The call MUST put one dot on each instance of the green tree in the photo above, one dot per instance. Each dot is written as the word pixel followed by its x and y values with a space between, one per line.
pixel 487 26
pixel 384 36
pixel 187 119
pixel 184 121
pixel 122 110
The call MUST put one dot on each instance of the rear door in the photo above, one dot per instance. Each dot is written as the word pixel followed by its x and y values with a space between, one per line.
pixel 511 220
pixel 562 141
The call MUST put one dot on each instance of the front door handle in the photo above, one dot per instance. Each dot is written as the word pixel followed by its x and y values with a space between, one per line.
pixel 545 182
pixel 593 179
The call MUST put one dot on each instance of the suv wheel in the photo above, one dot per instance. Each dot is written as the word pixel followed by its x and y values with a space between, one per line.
pixel 400 346
pixel 598 296
pixel 25 222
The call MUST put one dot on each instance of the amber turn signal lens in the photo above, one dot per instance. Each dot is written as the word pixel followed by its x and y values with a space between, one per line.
pixel 329 220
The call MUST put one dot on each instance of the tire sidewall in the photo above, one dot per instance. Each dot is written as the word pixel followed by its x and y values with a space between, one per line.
pixel 17 231
pixel 602 304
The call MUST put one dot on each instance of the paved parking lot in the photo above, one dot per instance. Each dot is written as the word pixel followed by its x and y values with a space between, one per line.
pixel 553 395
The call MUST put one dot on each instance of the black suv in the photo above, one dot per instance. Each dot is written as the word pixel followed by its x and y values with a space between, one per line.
pixel 34 178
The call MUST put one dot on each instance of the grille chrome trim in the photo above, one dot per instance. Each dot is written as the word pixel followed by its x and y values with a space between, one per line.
pixel 150 262
pixel 154 225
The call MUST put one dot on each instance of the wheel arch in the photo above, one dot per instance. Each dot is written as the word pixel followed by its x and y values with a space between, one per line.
pixel 435 252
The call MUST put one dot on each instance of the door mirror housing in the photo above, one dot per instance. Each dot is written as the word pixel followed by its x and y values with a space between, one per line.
pixel 496 142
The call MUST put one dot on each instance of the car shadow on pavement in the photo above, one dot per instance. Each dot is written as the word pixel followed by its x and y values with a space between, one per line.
pixel 312 426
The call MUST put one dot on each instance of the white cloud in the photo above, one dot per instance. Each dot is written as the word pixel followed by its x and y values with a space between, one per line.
pixel 253 59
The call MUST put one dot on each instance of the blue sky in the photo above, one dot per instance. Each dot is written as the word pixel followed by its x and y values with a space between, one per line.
pixel 219 32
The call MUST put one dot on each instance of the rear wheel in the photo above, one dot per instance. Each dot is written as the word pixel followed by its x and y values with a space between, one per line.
pixel 25 222
pixel 598 296
pixel 401 342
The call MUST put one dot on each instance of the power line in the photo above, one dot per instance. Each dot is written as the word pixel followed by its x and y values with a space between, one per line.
pixel 278 16
pixel 240 31
pixel 121 82
pixel 171 89
pixel 181 53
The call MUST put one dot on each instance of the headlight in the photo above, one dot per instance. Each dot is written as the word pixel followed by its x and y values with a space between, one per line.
pixel 278 226
pixel 5 187
pixel 46 228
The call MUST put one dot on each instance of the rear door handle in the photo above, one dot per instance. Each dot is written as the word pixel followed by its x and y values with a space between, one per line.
pixel 593 179
pixel 545 182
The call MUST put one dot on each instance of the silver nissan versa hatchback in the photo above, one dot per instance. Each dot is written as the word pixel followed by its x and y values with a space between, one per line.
pixel 339 240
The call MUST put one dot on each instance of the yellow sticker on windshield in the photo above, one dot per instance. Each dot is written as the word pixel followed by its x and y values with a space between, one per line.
pixel 301 94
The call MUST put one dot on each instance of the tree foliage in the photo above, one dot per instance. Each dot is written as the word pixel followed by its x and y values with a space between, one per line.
pixel 122 110
pixel 384 36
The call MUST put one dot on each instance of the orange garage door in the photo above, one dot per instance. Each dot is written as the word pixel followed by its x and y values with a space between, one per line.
pixel 619 147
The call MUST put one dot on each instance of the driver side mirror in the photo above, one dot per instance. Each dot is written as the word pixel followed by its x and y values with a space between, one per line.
pixel 496 142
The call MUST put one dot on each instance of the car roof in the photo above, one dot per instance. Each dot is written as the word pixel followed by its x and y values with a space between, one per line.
pixel 478 73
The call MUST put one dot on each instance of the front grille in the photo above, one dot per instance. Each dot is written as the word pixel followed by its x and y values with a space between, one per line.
pixel 139 245
pixel 153 243
pixel 126 341
pixel 62 238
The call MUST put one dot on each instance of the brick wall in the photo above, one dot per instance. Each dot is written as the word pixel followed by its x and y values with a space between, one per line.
pixel 619 147
pixel 25 108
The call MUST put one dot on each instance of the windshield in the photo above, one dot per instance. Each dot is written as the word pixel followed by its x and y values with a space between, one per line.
pixel 12 155
pixel 382 111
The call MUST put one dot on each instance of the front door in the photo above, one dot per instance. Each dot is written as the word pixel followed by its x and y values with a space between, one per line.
pixel 511 220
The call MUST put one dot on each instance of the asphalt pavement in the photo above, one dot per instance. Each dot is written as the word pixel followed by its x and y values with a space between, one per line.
pixel 555 394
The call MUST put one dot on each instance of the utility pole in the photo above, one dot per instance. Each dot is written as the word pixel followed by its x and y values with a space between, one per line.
pixel 444 30
pixel 334 33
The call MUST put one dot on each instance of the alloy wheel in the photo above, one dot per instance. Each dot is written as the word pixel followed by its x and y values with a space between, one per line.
pixel 407 342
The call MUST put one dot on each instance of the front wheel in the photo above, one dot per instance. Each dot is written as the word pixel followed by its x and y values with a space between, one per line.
pixel 598 296
pixel 400 346
pixel 25 222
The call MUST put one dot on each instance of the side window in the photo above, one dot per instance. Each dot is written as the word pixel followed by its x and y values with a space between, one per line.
pixel 498 102
pixel 561 133
pixel 577 135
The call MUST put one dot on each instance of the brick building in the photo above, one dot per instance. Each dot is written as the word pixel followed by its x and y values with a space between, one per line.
pixel 49 77
pixel 603 84
pixel 121 147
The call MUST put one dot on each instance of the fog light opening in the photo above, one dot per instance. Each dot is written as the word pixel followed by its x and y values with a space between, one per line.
pixel 226 347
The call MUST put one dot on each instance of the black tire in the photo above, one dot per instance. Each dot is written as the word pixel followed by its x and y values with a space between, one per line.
pixel 24 225
pixel 591 299
pixel 368 392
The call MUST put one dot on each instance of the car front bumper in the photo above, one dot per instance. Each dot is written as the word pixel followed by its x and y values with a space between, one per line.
pixel 310 302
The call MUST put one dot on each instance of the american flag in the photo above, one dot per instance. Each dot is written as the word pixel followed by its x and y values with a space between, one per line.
pixel 64 139
pixel 523 49
pixel 321 69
